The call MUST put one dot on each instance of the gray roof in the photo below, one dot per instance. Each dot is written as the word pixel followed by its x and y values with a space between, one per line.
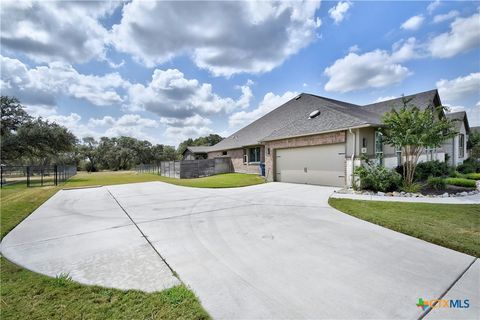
pixel 199 149
pixel 459 117
pixel 475 129
pixel 292 118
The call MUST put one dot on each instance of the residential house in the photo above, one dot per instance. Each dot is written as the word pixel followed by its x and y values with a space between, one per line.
pixel 195 152
pixel 456 147
pixel 317 140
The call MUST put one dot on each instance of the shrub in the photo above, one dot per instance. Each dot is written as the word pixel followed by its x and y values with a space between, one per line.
pixel 427 169
pixel 413 188
pixel 455 174
pixel 378 178
pixel 436 183
pixel 469 166
pixel 472 176
pixel 461 182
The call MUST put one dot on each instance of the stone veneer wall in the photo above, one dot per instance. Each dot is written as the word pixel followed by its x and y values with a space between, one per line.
pixel 313 140
pixel 237 160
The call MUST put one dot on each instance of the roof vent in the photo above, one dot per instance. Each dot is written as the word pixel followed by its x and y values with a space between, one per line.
pixel 314 114
pixel 298 97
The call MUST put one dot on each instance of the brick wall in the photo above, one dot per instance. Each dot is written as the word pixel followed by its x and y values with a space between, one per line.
pixel 314 140
pixel 237 160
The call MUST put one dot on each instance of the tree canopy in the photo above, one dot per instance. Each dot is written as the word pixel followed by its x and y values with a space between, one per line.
pixel 413 130
pixel 209 140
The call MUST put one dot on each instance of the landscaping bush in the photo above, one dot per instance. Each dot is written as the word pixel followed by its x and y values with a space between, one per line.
pixel 427 169
pixel 472 176
pixel 461 182
pixel 436 183
pixel 456 174
pixel 469 166
pixel 378 178
pixel 413 188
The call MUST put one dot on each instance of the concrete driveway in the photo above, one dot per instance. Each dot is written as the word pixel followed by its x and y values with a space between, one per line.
pixel 269 251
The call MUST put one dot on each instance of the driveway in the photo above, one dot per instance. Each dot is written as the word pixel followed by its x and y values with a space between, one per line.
pixel 275 250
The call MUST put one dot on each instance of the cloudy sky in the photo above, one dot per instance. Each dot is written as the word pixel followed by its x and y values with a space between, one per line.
pixel 165 71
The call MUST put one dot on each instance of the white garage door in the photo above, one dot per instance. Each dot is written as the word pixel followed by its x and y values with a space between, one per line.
pixel 322 165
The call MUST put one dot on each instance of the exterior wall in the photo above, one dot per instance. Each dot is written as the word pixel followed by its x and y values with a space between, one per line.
pixel 451 147
pixel 237 160
pixel 314 140
pixel 188 155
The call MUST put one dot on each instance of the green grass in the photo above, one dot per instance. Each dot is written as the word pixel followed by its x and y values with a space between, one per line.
pixel 472 176
pixel 453 226
pixel 461 182
pixel 28 295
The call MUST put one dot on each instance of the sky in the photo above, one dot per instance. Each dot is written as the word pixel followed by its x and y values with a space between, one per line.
pixel 167 71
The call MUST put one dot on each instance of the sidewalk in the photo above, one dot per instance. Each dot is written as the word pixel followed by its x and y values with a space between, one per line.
pixel 475 199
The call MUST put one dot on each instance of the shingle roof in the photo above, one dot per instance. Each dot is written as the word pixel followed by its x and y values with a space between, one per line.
pixel 292 118
pixel 475 129
pixel 459 117
pixel 199 149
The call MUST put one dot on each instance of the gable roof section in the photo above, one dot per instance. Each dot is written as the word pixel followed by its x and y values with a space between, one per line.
pixel 459 117
pixel 198 149
pixel 292 118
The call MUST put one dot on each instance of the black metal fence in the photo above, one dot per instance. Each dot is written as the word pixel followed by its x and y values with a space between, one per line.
pixel 36 176
pixel 188 168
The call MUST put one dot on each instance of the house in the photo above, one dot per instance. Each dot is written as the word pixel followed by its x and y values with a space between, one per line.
pixel 456 147
pixel 317 140
pixel 195 153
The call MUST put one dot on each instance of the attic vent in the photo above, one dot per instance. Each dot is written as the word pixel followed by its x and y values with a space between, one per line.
pixel 314 114
pixel 298 97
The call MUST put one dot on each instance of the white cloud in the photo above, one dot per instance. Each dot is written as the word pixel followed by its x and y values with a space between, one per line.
pixel 193 121
pixel 463 36
pixel 171 95
pixel 49 31
pixel 459 88
pixel 224 37
pixel 433 5
pixel 354 48
pixel 375 69
pixel 41 86
pixel 413 23
pixel 177 134
pixel 130 125
pixel 444 17
pixel 270 101
pixel 380 99
pixel 338 12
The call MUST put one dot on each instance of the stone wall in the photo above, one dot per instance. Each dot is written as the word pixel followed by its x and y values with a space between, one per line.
pixel 313 140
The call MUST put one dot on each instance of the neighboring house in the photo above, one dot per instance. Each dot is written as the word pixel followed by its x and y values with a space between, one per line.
pixel 456 147
pixel 317 140
pixel 195 153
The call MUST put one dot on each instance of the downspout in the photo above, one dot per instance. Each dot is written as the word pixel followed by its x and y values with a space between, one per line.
pixel 353 154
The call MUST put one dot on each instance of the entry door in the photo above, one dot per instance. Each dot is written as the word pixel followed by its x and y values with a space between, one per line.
pixel 322 165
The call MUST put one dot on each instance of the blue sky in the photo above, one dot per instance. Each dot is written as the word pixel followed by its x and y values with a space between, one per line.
pixel 166 71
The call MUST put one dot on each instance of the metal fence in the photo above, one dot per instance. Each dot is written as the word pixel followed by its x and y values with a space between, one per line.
pixel 186 169
pixel 36 176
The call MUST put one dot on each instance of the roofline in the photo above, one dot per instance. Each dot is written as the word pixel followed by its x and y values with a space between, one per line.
pixel 322 132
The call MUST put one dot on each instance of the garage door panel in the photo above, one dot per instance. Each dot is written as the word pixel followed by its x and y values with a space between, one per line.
pixel 322 165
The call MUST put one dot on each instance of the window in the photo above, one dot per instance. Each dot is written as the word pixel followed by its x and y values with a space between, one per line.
pixel 378 148
pixel 461 145
pixel 430 153
pixel 224 153
pixel 254 154
pixel 398 153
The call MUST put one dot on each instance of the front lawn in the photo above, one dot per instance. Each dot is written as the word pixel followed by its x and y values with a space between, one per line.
pixel 450 225
pixel 226 180
pixel 28 295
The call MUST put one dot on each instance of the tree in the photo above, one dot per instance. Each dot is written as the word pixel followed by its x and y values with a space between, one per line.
pixel 89 151
pixel 209 140
pixel 473 145
pixel 414 130
pixel 13 115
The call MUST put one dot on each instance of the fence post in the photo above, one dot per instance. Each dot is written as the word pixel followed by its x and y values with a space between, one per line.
pixel 28 176
pixel 55 175
pixel 1 177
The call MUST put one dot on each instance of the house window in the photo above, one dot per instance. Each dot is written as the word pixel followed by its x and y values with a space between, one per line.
pixel 254 154
pixel 398 153
pixel 430 153
pixel 224 153
pixel 461 145
pixel 378 148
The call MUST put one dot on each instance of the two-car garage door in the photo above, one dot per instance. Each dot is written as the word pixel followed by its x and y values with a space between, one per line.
pixel 322 165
